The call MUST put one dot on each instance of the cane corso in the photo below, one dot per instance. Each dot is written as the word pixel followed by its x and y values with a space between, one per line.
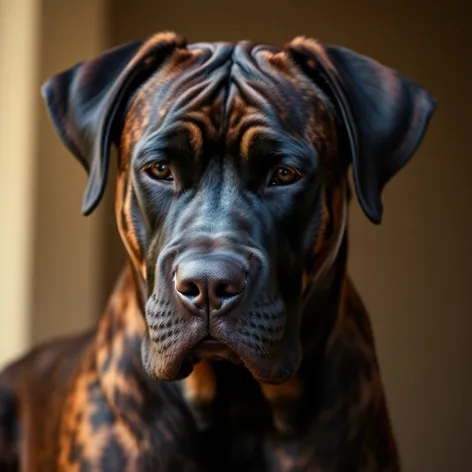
pixel 234 340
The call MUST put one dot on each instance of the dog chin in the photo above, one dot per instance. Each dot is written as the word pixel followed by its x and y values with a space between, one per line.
pixel 172 366
pixel 179 364
pixel 271 371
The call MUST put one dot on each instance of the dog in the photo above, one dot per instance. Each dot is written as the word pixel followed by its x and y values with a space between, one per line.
pixel 234 339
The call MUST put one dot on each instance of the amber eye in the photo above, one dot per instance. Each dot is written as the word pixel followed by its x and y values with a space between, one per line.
pixel 284 176
pixel 160 171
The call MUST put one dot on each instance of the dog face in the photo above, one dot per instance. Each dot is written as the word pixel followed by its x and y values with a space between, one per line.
pixel 222 155
pixel 232 181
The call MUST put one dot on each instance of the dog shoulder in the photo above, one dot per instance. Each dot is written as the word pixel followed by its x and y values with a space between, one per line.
pixel 30 391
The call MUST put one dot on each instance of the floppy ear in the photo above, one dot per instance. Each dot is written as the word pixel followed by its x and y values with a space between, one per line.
pixel 384 114
pixel 85 103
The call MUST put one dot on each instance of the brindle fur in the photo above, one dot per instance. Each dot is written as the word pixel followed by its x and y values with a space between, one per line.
pixel 88 403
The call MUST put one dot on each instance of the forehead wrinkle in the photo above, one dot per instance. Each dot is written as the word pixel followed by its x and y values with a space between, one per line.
pixel 205 120
pixel 252 119
pixel 190 102
pixel 247 139
pixel 202 79
pixel 198 91
pixel 276 98
pixel 285 145
pixel 269 83
pixel 166 138
pixel 140 114
pixel 182 69
pixel 320 118
pixel 196 138
pixel 262 86
pixel 257 68
pixel 160 83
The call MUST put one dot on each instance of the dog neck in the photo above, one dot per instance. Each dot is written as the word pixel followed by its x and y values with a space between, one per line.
pixel 295 403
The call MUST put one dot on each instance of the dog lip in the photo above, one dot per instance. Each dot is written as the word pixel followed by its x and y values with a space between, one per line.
pixel 210 348
pixel 211 344
pixel 208 340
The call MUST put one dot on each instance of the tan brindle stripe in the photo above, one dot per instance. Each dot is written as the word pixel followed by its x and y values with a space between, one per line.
pixel 331 247
pixel 200 385
pixel 122 210
pixel 247 138
pixel 196 138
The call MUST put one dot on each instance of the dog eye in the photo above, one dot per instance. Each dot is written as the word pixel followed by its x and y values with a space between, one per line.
pixel 160 171
pixel 284 176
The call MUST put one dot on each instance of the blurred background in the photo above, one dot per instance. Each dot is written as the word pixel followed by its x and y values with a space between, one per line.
pixel 414 271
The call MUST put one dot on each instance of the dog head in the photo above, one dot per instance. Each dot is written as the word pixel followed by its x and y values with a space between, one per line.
pixel 231 197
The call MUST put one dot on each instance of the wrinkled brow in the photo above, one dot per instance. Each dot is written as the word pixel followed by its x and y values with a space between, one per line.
pixel 273 145
pixel 180 138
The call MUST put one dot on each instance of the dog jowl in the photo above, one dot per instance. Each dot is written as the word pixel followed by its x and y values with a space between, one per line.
pixel 232 187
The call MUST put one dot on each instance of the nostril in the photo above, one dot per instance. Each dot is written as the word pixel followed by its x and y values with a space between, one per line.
pixel 228 290
pixel 188 289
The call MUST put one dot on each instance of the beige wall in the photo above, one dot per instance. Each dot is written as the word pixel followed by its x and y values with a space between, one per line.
pixel 49 255
pixel 19 25
pixel 414 271
pixel 66 262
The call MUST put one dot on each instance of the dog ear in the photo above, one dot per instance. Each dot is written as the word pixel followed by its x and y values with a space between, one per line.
pixel 384 114
pixel 85 103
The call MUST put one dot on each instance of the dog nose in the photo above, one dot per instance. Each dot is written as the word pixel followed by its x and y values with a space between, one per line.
pixel 210 283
